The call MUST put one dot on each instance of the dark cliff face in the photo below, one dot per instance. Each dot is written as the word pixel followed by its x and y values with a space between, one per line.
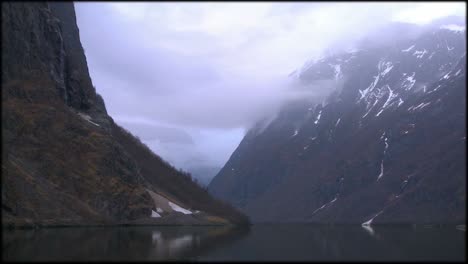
pixel 51 29
pixel 389 143
pixel 64 160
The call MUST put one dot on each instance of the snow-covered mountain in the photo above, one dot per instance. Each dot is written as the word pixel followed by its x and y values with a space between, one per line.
pixel 387 145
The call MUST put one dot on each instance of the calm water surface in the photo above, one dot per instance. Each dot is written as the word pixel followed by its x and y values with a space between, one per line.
pixel 260 242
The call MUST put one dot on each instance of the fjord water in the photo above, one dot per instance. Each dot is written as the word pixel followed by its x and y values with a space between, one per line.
pixel 260 242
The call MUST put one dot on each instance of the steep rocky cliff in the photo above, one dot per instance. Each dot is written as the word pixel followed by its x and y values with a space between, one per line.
pixel 388 144
pixel 64 160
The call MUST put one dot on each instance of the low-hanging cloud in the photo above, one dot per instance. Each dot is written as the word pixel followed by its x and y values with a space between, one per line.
pixel 214 69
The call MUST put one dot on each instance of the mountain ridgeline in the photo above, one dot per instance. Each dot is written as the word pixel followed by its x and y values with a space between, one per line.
pixel 64 160
pixel 387 146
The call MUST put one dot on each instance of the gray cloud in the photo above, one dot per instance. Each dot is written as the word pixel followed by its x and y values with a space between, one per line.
pixel 190 78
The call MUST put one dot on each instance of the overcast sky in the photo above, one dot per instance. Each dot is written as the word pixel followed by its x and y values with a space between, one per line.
pixel 190 78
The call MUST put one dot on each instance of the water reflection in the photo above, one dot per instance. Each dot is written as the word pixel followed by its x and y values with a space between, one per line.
pixel 261 243
pixel 345 243
pixel 114 243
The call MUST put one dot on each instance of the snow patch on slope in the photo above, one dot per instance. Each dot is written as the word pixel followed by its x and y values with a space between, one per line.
pixel 408 49
pixel 420 54
pixel 419 106
pixel 154 214
pixel 409 82
pixel 318 117
pixel 337 122
pixel 325 205
pixel 177 208
pixel 384 152
pixel 87 118
pixel 391 96
pixel 368 223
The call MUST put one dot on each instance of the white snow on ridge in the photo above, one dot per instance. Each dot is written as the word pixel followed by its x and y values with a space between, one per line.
pixel 384 152
pixel 370 109
pixel 391 96
pixel 381 73
pixel 409 82
pixel 338 73
pixel 371 87
pixel 159 210
pixel 420 54
pixel 177 208
pixel 381 170
pixel 337 68
pixel 388 68
pixel 408 49
pixel 87 118
pixel 295 133
pixel 154 214
pixel 419 106
pixel 318 117
pixel 337 122
pixel 448 48
pixel 325 205
pixel 400 101
pixel 383 135
pixel 367 223
pixel 432 54
pixel 453 27
pixel 386 146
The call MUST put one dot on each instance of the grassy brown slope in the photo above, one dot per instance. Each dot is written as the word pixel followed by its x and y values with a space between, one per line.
pixel 59 168
pixel 172 182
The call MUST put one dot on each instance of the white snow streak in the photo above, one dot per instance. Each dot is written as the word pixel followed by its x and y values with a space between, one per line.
pixel 408 83
pixel 391 96
pixel 400 101
pixel 337 122
pixel 419 106
pixel 154 214
pixel 448 48
pixel 177 208
pixel 337 68
pixel 384 152
pixel 325 205
pixel 87 118
pixel 367 223
pixel 295 133
pixel 388 68
pixel 318 117
pixel 371 87
pixel 408 49
pixel 419 54
pixel 381 170
pixel 376 101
